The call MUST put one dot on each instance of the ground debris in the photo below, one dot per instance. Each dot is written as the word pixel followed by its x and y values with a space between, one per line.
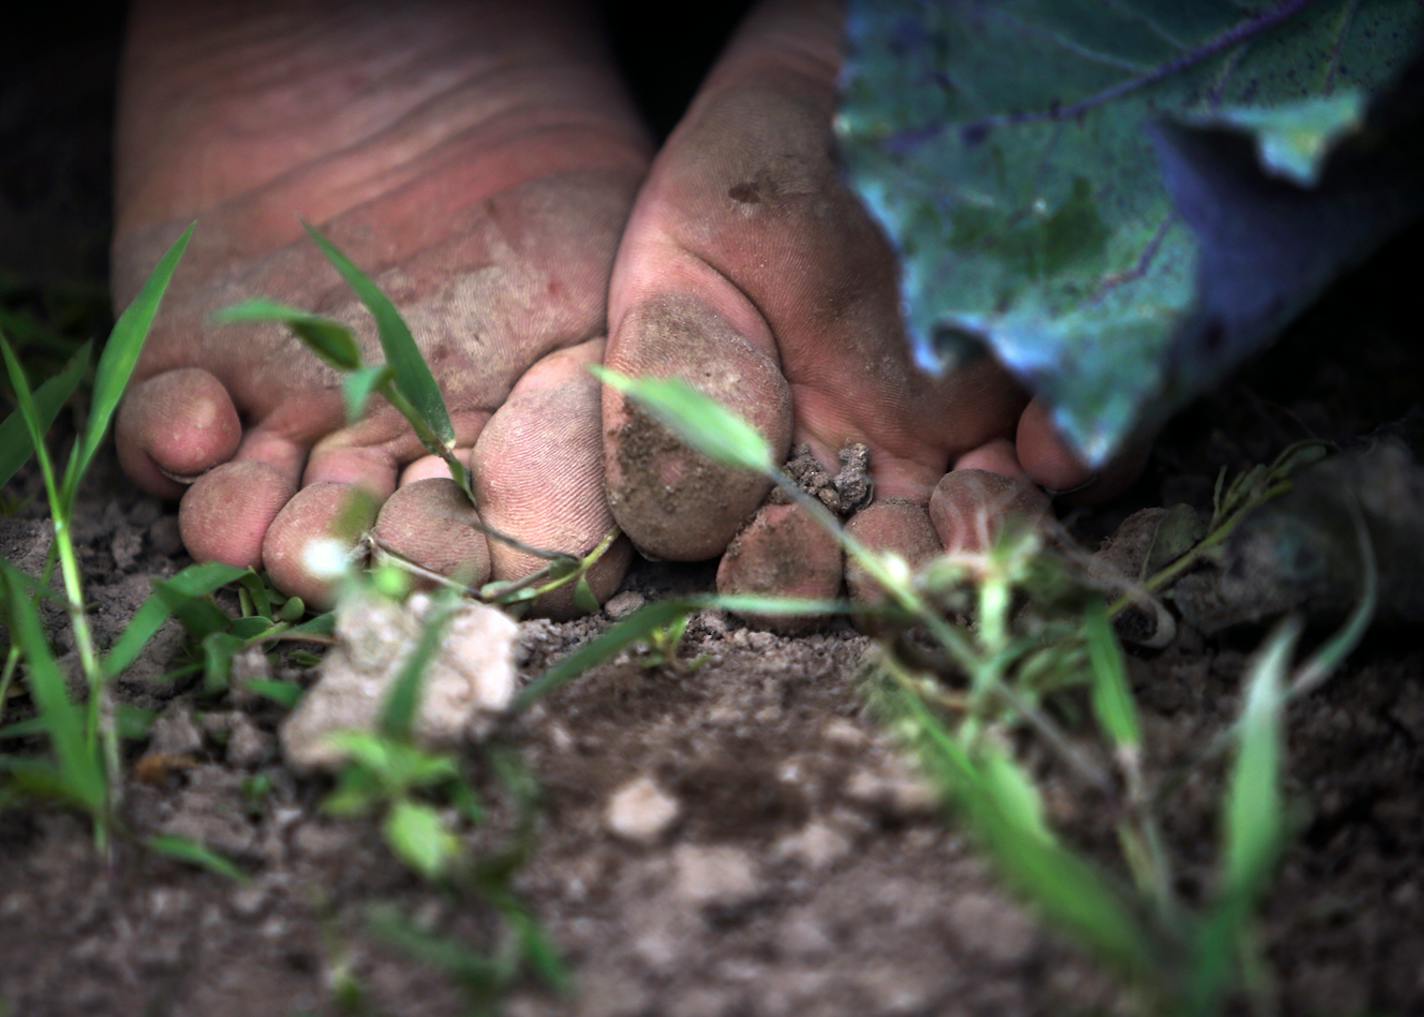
pixel 641 811
pixel 471 677
pixel 845 493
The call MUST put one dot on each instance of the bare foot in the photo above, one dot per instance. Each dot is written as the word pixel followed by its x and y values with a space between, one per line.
pixel 479 160
pixel 750 271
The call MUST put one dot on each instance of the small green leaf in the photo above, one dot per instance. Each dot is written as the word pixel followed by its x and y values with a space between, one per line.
pixel 200 855
pixel 1112 698
pixel 417 835
pixel 218 650
pixel 329 340
pixel 358 387
pixel 369 750
pixel 702 422
pixel 412 374
pixel 358 791
pixel 321 625
pixel 259 591
pixel 15 444
pixel 79 766
pixel 584 599
pixel 193 581
pixel 284 694
pixel 120 356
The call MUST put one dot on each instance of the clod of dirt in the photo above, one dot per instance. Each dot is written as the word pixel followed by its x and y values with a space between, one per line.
pixel 641 811
pixel 849 491
pixel 471 676
pixel 1145 542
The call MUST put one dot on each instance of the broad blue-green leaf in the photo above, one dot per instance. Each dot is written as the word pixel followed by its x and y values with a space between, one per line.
pixel 15 445
pixel 120 357
pixel 412 374
pixel 1293 139
pixel 1078 184
pixel 702 422
pixel 329 340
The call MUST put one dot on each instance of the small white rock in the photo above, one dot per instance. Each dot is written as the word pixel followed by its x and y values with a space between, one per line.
pixel 471 678
pixel 621 605
pixel 641 811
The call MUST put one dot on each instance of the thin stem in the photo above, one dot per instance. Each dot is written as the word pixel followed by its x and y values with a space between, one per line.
pixel 459 471
pixel 1167 575
pixel 12 660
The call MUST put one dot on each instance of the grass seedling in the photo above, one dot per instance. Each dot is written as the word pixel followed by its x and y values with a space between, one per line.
pixel 1038 640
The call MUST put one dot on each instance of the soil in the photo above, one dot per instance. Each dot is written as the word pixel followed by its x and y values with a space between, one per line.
pixel 806 870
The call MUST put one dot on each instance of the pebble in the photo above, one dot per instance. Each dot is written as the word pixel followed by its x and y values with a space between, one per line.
pixel 641 811
pixel 817 845
pixel 175 732
pixel 248 746
pixel 843 734
pixel 900 795
pixel 621 605
pixel 716 877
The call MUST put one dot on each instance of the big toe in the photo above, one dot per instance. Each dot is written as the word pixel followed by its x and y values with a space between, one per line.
pixel 175 427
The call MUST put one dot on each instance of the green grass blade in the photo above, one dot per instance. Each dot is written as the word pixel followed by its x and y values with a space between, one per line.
pixel 120 356
pixel 331 341
pixel 702 422
pixel 1254 818
pixel 283 693
pixel 412 374
pixel 193 581
pixel 358 387
pixel 15 444
pixel 402 705
pixel 474 970
pixel 82 772
pixel 30 417
pixel 1065 888
pixel 1112 697
pixel 192 853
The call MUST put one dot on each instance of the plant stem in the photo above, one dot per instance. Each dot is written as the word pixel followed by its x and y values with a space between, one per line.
pixel 1215 538
pixel 12 660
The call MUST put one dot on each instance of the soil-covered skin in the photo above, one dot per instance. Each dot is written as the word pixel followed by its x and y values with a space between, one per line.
pixel 805 870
